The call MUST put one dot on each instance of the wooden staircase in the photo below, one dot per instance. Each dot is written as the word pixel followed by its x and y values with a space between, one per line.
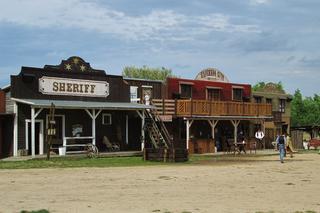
pixel 162 144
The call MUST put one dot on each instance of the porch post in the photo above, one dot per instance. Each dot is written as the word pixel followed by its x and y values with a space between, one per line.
pixel 33 150
pixel 188 125
pixel 235 125
pixel 142 131
pixel 94 127
pixel 15 129
pixel 127 129
pixel 188 135
pixel 142 116
pixel 213 125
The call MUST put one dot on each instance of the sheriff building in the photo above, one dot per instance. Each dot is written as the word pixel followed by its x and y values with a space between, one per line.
pixel 89 106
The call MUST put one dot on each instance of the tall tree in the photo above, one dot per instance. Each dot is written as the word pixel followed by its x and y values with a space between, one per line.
pixel 305 111
pixel 297 109
pixel 146 72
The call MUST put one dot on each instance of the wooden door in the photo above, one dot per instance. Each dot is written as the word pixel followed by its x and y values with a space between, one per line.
pixel 269 138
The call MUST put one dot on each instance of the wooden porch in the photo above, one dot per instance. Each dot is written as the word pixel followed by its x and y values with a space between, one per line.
pixel 185 108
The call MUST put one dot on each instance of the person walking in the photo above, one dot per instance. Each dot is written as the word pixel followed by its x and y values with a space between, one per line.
pixel 281 144
pixel 289 146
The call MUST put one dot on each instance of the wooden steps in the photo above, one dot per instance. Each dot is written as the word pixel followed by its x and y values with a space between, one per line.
pixel 166 155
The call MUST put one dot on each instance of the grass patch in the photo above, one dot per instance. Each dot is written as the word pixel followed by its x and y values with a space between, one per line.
pixel 37 211
pixel 74 162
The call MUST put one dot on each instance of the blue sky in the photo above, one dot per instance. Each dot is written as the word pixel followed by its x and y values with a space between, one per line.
pixel 248 40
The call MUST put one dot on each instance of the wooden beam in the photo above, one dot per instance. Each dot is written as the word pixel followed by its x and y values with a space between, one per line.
pixel 89 113
pixel 37 113
pixel 140 114
pixel 98 113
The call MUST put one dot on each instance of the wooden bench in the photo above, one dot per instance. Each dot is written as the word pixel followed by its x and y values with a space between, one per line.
pixel 314 143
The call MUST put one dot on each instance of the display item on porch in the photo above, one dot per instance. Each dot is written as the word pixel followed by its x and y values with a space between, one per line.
pixel 111 146
pixel 259 135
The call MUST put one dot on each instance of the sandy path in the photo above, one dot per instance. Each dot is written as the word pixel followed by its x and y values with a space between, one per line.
pixel 264 185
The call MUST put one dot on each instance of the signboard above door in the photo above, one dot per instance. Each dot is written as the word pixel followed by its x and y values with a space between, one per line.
pixel 73 87
pixel 212 74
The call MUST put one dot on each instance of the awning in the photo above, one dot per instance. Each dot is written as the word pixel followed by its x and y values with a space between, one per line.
pixel 65 104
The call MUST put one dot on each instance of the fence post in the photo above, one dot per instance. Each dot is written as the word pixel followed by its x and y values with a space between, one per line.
pixel 175 107
pixel 163 106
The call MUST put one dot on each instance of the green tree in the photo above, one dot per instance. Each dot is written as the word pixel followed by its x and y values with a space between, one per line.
pixel 305 111
pixel 146 72
pixel 297 109
pixel 259 86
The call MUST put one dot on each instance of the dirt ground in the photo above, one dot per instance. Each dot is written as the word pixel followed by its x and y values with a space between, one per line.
pixel 255 185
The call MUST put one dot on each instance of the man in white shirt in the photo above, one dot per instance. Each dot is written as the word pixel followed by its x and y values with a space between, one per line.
pixel 259 136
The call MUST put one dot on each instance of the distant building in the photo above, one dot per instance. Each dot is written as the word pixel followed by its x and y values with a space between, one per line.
pixel 281 111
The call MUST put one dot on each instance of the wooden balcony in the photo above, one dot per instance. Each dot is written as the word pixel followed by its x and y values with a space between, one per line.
pixel 184 108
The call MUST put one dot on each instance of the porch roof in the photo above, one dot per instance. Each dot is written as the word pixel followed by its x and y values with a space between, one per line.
pixel 64 104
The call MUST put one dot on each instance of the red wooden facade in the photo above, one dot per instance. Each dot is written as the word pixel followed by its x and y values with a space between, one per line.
pixel 199 88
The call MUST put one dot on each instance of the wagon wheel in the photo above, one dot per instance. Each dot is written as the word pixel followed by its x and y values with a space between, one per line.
pixel 92 151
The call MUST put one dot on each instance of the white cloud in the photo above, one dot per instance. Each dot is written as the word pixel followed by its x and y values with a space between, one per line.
pixel 258 2
pixel 90 16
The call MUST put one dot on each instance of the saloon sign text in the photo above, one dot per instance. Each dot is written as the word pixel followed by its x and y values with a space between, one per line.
pixel 73 87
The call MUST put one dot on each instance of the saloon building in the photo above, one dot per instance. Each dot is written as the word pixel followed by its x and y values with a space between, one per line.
pixel 208 113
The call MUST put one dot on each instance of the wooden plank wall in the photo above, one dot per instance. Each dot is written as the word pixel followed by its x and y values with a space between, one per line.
pixel 297 139
pixel 2 102
pixel 8 103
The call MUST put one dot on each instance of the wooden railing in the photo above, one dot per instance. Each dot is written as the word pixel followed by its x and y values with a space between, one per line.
pixel 211 108
pixel 164 106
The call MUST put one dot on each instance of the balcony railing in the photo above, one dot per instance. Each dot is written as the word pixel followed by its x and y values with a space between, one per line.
pixel 211 108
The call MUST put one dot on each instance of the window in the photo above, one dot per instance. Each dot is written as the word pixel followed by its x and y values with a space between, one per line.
pixel 186 91
pixel 106 119
pixel 269 101
pixel 134 94
pixel 258 99
pixel 237 94
pixel 213 94
pixel 282 105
